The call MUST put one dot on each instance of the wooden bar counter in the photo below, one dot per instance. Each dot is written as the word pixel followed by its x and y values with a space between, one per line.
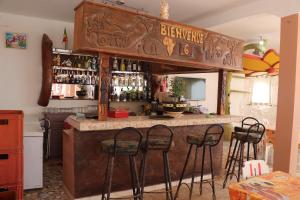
pixel 84 163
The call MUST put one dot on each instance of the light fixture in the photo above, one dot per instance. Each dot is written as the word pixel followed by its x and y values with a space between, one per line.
pixel 164 9
pixel 261 41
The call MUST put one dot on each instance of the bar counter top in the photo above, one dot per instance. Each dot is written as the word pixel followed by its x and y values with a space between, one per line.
pixel 146 122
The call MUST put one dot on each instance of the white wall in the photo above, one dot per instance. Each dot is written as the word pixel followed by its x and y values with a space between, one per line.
pixel 211 95
pixel 21 70
pixel 240 103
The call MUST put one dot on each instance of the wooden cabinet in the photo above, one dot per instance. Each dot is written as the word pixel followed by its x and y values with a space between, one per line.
pixel 56 128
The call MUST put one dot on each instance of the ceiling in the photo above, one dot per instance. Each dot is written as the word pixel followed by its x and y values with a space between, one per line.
pixel 252 28
pixel 247 20
pixel 63 9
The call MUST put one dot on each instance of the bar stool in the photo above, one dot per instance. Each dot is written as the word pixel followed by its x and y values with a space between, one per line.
pixel 246 123
pixel 158 138
pixel 253 136
pixel 212 137
pixel 126 142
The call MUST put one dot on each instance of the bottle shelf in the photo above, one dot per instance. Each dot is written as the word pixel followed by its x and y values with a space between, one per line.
pixel 126 72
pixel 74 68
pixel 135 101
pixel 72 83
pixel 69 52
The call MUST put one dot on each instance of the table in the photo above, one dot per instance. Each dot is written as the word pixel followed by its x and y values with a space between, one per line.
pixel 273 186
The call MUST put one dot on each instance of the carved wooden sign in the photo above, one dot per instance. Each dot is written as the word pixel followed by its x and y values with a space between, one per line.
pixel 107 29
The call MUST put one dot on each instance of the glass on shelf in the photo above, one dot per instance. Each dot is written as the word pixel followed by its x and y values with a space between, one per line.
pixel 122 66
pixel 134 68
pixel 129 66
pixel 115 64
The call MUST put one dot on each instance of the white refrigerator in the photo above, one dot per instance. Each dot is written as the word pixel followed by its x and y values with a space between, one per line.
pixel 33 156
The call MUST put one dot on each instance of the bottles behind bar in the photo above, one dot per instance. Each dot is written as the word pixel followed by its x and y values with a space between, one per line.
pixel 129 81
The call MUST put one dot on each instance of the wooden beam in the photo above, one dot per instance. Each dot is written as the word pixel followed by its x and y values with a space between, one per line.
pixel 104 82
pixel 221 92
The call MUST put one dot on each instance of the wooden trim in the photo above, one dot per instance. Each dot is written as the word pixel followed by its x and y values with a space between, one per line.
pixel 104 83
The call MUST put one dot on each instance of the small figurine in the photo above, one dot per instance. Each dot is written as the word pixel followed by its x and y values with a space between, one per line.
pixel 67 63
pixel 57 60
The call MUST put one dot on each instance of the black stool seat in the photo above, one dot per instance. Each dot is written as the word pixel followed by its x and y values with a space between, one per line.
pixel 252 137
pixel 122 146
pixel 198 140
pixel 156 143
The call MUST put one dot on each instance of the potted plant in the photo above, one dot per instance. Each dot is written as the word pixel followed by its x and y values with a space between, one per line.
pixel 178 90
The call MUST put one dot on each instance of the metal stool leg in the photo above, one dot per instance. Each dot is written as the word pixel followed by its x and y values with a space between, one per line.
pixel 134 182
pixel 242 145
pixel 105 179
pixel 230 164
pixel 135 179
pixel 108 179
pixel 183 171
pixel 193 173
pixel 229 151
pixel 248 151
pixel 142 173
pixel 255 151
pixel 167 176
pixel 212 174
pixel 236 159
pixel 202 169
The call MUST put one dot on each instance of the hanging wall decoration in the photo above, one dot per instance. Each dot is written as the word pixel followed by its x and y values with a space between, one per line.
pixel 16 40
pixel 261 65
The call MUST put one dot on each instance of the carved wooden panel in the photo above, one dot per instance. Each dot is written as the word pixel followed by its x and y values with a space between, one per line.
pixel 47 71
pixel 104 81
pixel 112 30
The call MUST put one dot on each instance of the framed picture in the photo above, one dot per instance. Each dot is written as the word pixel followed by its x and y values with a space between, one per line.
pixel 16 40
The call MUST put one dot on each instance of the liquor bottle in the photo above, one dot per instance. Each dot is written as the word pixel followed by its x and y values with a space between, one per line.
pixel 93 79
pixel 88 78
pixel 134 67
pixel 117 96
pixel 72 78
pixel 94 63
pixel 79 63
pixel 75 62
pixel 115 65
pixel 121 80
pixel 78 77
pixel 86 62
pixel 83 78
pixel 126 80
pixel 122 67
pixel 129 66
pixel 122 95
pixel 139 67
pixel 55 75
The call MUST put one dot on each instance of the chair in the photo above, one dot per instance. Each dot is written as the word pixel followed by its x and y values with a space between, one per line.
pixel 253 136
pixel 246 123
pixel 159 138
pixel 45 124
pixel 126 142
pixel 212 137
pixel 255 168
